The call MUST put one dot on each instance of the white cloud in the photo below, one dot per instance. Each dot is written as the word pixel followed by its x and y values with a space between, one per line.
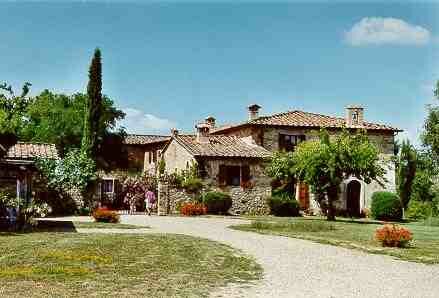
pixel 381 31
pixel 136 121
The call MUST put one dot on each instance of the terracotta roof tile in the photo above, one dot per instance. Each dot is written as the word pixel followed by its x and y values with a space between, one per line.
pixel 30 151
pixel 222 146
pixel 145 139
pixel 305 119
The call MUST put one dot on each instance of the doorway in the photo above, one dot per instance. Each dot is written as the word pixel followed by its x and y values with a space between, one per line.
pixel 353 192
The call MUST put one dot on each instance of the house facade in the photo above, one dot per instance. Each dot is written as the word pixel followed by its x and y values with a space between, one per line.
pixel 18 171
pixel 284 131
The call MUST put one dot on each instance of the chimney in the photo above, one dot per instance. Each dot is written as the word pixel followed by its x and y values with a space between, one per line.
pixel 211 122
pixel 354 116
pixel 174 132
pixel 202 133
pixel 253 112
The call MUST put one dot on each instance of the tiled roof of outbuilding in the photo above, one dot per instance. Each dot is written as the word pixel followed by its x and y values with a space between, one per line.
pixel 222 146
pixel 305 119
pixel 30 151
pixel 133 139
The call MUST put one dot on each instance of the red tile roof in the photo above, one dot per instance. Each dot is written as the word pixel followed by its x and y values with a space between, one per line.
pixel 145 139
pixel 30 151
pixel 305 119
pixel 222 146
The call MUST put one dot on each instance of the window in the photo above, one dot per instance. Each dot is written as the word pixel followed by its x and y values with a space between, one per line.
pixel 289 142
pixel 354 117
pixel 108 185
pixel 234 175
pixel 152 156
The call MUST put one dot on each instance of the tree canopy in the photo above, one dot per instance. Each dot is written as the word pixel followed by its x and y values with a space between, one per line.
pixel 430 136
pixel 406 163
pixel 324 163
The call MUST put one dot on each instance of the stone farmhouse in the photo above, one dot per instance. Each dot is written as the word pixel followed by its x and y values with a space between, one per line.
pixel 231 158
pixel 17 167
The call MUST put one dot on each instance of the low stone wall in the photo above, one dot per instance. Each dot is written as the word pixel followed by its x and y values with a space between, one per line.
pixel 244 201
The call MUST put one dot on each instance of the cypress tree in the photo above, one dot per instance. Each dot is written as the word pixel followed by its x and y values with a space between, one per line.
pixel 93 106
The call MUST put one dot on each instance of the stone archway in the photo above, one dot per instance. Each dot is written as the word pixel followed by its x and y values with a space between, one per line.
pixel 353 194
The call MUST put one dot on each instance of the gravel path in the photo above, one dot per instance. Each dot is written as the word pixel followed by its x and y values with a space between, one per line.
pixel 298 268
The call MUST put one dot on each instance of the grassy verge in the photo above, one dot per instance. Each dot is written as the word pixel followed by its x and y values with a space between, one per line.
pixel 351 234
pixel 79 265
pixel 71 226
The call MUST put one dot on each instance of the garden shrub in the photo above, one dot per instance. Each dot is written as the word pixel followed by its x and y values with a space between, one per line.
pixel 191 209
pixel 283 205
pixel 217 202
pixel 192 184
pixel 420 210
pixel 105 215
pixel 393 236
pixel 386 206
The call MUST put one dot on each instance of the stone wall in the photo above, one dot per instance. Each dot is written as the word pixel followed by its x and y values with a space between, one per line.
pixel 176 157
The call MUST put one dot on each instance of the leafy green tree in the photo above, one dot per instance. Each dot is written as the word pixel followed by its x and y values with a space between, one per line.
pixel 59 119
pixel 406 163
pixel 93 106
pixel 76 171
pixel 323 164
pixel 12 108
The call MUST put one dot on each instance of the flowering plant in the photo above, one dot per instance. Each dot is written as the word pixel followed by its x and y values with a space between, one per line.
pixel 190 209
pixel 393 236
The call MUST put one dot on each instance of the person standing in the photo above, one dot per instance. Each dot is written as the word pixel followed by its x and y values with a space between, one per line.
pixel 149 201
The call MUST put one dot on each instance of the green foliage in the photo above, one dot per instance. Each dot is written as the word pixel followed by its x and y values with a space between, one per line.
pixel 283 205
pixel 323 164
pixel 93 106
pixel 7 200
pixel 421 210
pixel 59 119
pixel 406 163
pixel 162 166
pixel 430 135
pixel 217 202
pixel 12 109
pixel 76 170
pixel 386 206
pixel 192 184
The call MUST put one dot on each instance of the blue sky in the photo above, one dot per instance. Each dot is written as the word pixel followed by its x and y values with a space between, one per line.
pixel 170 64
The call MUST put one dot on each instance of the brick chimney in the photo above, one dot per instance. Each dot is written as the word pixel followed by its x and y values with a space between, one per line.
pixel 253 112
pixel 354 116
pixel 211 122
pixel 202 133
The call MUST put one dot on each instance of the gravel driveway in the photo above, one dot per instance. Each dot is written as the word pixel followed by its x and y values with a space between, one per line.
pixel 298 268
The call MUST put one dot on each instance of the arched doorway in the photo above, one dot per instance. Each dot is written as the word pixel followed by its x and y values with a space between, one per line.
pixel 353 192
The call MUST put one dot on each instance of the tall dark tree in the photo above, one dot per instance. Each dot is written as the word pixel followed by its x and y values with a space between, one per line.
pixel 406 163
pixel 93 106
pixel 430 136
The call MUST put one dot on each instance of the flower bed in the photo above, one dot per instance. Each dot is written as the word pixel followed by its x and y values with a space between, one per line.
pixel 393 236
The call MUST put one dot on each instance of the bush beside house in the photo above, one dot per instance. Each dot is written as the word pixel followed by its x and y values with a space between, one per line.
pixel 283 205
pixel 386 206
pixel 217 202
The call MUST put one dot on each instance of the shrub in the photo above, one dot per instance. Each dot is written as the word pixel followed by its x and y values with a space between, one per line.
pixel 105 215
pixel 192 184
pixel 191 209
pixel 393 236
pixel 386 206
pixel 283 205
pixel 217 202
pixel 420 210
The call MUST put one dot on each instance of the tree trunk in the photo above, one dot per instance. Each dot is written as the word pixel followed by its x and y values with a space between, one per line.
pixel 332 196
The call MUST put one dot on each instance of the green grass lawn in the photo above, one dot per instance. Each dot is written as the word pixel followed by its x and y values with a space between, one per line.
pixel 71 226
pixel 357 234
pixel 50 264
